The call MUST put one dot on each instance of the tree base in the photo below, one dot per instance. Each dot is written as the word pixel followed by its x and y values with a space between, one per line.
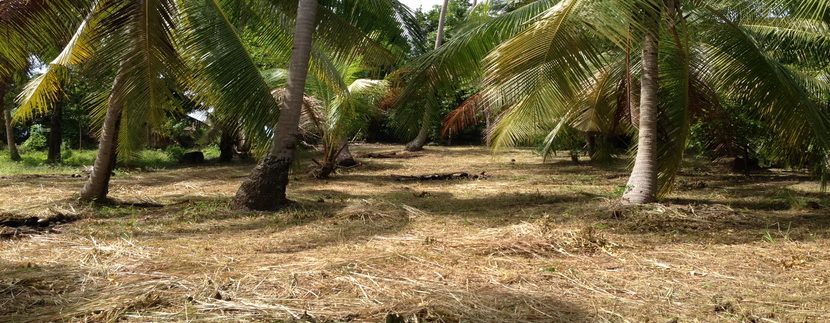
pixel 324 172
pixel 634 197
pixel 264 190
pixel 414 147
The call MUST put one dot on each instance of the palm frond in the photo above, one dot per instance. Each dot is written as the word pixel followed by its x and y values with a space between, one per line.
pixel 466 115
pixel 784 98
pixel 457 60
pixel 150 63
pixel 45 90
pixel 225 76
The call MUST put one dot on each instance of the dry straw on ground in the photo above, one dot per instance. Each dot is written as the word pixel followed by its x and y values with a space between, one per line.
pixel 532 243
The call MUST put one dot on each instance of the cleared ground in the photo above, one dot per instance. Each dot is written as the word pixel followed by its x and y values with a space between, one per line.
pixel 531 242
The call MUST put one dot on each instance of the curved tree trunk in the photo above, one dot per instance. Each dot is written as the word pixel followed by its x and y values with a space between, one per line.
pixel 341 157
pixel 55 134
pixel 265 188
pixel 97 186
pixel 421 140
pixel 327 167
pixel 642 185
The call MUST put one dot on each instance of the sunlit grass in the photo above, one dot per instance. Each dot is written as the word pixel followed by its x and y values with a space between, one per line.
pixel 34 162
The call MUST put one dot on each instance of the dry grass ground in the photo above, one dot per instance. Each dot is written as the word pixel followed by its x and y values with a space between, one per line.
pixel 532 243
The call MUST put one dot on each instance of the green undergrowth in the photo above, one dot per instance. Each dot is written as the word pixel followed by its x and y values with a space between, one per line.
pixel 34 162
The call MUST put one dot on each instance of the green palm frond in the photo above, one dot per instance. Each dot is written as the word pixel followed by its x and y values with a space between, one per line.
pixel 30 26
pixel 805 41
pixel 150 64
pixel 538 75
pixel 225 77
pixel 744 70
pixel 458 60
pixel 45 90
pixel 816 9
pixel 788 101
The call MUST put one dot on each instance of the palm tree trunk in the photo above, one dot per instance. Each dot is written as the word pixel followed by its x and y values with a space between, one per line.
pixel 442 20
pixel 55 134
pixel 226 145
pixel 97 186
pixel 345 157
pixel 421 140
pixel 265 188
pixel 340 156
pixel 14 155
pixel 329 162
pixel 642 185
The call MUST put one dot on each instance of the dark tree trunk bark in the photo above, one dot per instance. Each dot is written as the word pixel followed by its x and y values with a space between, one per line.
pixel 642 185
pixel 226 143
pixel 14 155
pixel 265 188
pixel 55 134
pixel 591 142
pixel 97 186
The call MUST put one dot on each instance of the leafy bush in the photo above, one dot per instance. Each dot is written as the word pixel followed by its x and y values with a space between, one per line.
pixel 78 157
pixel 37 139
pixel 211 152
pixel 175 152
pixel 66 152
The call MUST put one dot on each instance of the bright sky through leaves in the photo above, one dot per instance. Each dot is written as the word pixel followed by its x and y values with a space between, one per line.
pixel 426 4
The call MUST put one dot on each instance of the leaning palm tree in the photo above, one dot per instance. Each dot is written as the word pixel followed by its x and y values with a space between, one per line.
pixel 150 47
pixel 422 138
pixel 265 189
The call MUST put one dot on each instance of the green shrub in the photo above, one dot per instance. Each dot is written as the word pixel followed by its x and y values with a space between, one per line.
pixel 78 157
pixel 175 152
pixel 211 152
pixel 37 139
pixel 66 152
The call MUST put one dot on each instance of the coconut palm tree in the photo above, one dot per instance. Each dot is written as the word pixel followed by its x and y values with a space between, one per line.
pixel 701 46
pixel 342 115
pixel 333 113
pixel 265 188
pixel 415 87
pixel 150 47
pixel 642 184
pixel 536 75
pixel 421 139
pixel 27 27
